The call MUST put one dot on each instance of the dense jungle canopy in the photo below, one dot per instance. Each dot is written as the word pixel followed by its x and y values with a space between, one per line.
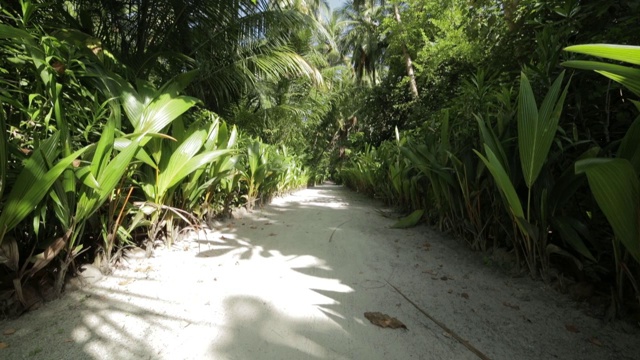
pixel 512 124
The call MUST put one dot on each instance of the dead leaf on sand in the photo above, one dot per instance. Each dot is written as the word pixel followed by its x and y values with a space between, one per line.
pixel 144 269
pixel 594 340
pixel 9 332
pixel 571 328
pixel 465 295
pixel 3 345
pixel 384 320
pixel 125 282
pixel 273 234
pixel 509 305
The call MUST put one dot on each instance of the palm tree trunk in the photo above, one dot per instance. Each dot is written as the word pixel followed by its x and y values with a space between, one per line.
pixel 407 59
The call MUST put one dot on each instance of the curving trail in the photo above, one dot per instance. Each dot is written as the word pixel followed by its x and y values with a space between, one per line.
pixel 293 281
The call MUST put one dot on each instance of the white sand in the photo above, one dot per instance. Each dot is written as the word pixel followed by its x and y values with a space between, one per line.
pixel 293 280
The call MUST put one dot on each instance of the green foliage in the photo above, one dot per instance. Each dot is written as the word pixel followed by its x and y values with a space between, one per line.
pixel 520 191
pixel 81 145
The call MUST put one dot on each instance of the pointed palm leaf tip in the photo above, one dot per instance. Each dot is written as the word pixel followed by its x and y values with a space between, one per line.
pixel 537 128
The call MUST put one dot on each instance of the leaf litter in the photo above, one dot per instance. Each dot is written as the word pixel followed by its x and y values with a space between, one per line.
pixel 384 320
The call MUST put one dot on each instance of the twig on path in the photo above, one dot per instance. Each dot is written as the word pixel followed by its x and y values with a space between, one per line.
pixel 443 326
pixel 336 229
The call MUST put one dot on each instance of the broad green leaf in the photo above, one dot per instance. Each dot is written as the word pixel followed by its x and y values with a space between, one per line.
pixel 616 188
pixel 567 228
pixel 178 160
pixel 179 82
pixel 233 137
pixel 122 143
pixel 626 53
pixel 502 180
pixel 103 148
pixel 490 139
pixel 537 129
pixel 627 76
pixel 162 111
pixel 196 163
pixel 132 104
pixel 109 176
pixel 24 196
pixel 630 146
pixel 409 221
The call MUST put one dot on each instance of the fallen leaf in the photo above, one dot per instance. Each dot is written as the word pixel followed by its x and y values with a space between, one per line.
pixel 509 305
pixel 384 320
pixel 594 340
pixel 430 272
pixel 571 328
pixel 273 234
pixel 465 295
pixel 3 345
pixel 125 282
pixel 9 332
pixel 253 227
pixel 68 340
pixel 449 291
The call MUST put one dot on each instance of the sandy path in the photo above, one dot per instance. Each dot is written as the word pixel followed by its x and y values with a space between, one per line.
pixel 292 281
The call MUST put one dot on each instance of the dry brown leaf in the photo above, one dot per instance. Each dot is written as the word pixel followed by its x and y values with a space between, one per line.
pixel 465 295
pixel 273 234
pixel 384 320
pixel 3 345
pixel 594 340
pixel 125 282
pixel 509 305
pixel 144 269
pixel 9 332
pixel 444 278
pixel 571 328
pixel 68 340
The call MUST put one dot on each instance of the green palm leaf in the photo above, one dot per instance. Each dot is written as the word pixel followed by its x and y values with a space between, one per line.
pixel 184 161
pixel 110 173
pixel 33 183
pixel 616 188
pixel 626 53
pixel 537 129
pixel 629 148
pixel 502 180
pixel 627 76
pixel 162 111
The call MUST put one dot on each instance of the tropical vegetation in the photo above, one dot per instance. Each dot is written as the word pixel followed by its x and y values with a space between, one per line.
pixel 511 124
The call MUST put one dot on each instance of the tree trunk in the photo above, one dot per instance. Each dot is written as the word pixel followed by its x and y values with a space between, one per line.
pixel 510 8
pixel 407 59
